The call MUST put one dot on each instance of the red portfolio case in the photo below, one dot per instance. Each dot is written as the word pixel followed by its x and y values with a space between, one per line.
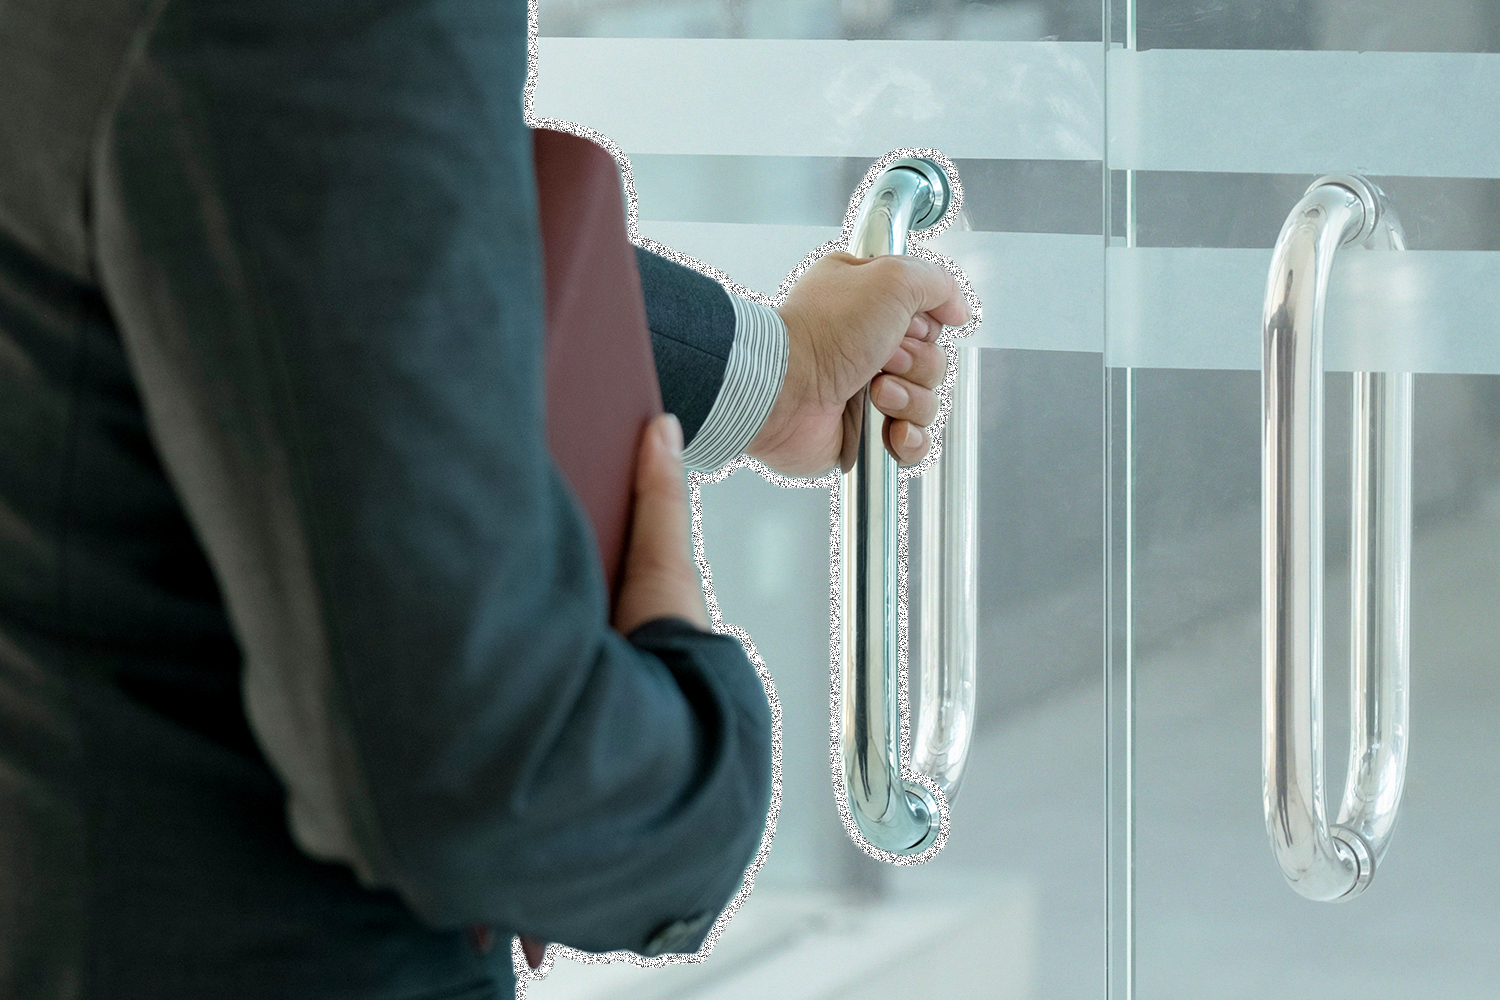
pixel 601 377
pixel 600 373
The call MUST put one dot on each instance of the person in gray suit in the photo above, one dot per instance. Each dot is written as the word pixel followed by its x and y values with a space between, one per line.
pixel 306 663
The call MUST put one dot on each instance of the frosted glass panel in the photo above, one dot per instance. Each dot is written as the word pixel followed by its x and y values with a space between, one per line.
pixel 1212 915
pixel 1194 307
pixel 745 151
pixel 1415 114
pixel 1037 100
pixel 1220 115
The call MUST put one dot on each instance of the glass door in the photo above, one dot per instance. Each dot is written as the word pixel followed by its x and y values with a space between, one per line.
pixel 1219 118
pixel 748 126
pixel 1127 166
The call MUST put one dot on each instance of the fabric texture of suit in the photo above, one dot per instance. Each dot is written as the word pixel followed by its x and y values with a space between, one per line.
pixel 271 443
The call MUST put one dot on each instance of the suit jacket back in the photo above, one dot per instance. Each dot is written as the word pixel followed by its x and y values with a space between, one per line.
pixel 143 830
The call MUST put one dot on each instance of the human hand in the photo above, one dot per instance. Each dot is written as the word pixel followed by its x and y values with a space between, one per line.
pixel 847 319
pixel 661 579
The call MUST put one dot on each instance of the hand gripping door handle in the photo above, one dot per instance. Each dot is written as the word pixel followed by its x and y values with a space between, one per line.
pixel 1324 862
pixel 894 814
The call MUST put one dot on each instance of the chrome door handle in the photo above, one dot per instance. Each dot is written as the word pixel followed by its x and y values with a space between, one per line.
pixel 895 815
pixel 1320 861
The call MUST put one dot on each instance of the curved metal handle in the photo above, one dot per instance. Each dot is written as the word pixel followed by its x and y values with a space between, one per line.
pixel 1324 862
pixel 895 814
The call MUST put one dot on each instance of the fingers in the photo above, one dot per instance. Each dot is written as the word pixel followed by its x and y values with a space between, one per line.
pixel 906 442
pixel 899 399
pixel 905 431
pixel 905 389
pixel 660 579
pixel 921 362
pixel 924 327
pixel 907 398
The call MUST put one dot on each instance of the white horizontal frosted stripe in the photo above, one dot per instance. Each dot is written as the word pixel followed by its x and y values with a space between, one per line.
pixel 1384 113
pixel 1039 291
pixel 1430 311
pixel 997 100
pixel 1433 311
pixel 1183 308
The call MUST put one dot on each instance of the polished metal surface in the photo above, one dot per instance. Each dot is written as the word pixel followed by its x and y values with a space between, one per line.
pixel 1324 861
pixel 948 637
pixel 893 812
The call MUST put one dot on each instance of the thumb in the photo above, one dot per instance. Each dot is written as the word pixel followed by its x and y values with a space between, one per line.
pixel 932 290
pixel 661 579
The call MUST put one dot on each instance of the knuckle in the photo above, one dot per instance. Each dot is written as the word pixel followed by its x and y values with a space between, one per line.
pixel 892 272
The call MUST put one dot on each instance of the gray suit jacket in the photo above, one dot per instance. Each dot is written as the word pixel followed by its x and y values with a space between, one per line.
pixel 271 443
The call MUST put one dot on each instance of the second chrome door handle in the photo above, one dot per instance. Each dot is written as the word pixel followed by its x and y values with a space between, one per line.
pixel 1325 860
pixel 893 814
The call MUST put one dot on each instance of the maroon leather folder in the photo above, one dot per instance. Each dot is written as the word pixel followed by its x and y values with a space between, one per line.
pixel 601 377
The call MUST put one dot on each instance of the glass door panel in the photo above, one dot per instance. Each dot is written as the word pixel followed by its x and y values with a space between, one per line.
pixel 748 126
pixel 1219 116
pixel 1122 194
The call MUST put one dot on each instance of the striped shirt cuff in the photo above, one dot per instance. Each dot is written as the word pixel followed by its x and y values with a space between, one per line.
pixel 752 381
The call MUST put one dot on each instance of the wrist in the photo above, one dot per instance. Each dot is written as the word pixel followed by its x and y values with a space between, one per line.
pixel 795 438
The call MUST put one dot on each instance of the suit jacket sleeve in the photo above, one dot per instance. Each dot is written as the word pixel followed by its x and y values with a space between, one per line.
pixel 720 359
pixel 692 325
pixel 316 226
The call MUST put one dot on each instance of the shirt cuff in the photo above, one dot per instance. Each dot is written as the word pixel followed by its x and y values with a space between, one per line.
pixel 752 381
